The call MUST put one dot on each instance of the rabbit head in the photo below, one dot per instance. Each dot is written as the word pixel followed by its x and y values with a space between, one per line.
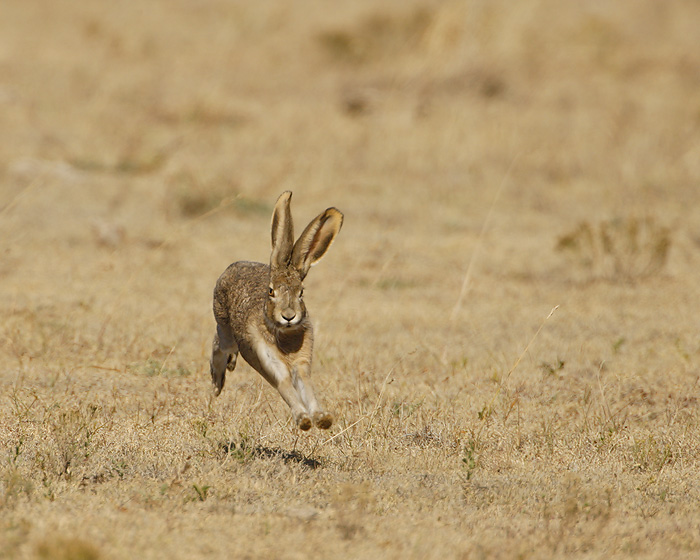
pixel 290 261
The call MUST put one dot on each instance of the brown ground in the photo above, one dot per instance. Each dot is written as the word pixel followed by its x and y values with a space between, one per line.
pixel 494 160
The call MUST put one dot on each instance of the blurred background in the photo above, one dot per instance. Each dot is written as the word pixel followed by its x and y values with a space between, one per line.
pixel 536 147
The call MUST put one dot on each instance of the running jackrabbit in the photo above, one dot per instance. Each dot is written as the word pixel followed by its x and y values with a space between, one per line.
pixel 260 312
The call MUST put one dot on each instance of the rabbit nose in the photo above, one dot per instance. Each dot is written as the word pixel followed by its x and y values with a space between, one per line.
pixel 288 315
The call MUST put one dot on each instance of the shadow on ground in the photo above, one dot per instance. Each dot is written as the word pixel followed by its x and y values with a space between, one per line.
pixel 263 452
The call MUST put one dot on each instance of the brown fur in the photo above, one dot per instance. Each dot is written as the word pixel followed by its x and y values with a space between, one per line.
pixel 260 313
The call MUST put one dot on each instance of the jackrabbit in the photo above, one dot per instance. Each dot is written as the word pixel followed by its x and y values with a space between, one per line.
pixel 260 312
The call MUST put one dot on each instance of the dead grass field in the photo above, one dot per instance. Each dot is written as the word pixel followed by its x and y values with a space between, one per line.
pixel 494 161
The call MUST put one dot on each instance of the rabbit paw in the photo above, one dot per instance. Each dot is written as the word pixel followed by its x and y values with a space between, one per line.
pixel 304 422
pixel 323 420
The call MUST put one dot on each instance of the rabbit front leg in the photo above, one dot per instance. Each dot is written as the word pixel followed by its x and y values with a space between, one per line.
pixel 276 372
pixel 301 370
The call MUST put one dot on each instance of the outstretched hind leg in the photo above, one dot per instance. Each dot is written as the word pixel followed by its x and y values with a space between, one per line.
pixel 224 352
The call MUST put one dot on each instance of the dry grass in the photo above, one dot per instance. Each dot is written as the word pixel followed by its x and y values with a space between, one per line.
pixel 143 146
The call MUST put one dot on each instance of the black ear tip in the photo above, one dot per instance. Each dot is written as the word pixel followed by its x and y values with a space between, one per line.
pixel 333 212
pixel 285 197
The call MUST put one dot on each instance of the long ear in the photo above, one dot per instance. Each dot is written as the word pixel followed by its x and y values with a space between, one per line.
pixel 316 239
pixel 282 231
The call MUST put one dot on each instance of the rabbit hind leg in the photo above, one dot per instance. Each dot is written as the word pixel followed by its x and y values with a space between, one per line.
pixel 224 353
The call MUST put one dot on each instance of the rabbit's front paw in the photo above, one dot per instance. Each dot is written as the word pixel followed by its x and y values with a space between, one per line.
pixel 323 420
pixel 304 422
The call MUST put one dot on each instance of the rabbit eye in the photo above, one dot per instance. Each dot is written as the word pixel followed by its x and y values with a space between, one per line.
pixel 271 292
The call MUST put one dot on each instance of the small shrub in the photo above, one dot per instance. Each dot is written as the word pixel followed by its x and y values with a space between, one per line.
pixel 621 249
pixel 469 458
pixel 201 491
pixel 73 432
pixel 376 37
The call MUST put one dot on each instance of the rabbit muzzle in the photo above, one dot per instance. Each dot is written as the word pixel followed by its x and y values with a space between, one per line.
pixel 289 318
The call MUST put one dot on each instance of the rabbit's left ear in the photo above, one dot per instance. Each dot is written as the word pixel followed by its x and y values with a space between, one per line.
pixel 282 231
pixel 315 240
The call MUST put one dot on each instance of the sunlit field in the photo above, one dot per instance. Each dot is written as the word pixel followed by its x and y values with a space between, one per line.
pixel 507 326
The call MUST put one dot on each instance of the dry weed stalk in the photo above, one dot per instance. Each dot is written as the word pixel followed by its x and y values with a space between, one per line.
pixel 19 196
pixel 467 275
pixel 503 382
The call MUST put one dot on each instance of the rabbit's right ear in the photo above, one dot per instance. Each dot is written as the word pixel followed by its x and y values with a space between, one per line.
pixel 316 239
pixel 282 231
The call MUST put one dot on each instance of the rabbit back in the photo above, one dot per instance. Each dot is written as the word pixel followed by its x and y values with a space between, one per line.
pixel 239 296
